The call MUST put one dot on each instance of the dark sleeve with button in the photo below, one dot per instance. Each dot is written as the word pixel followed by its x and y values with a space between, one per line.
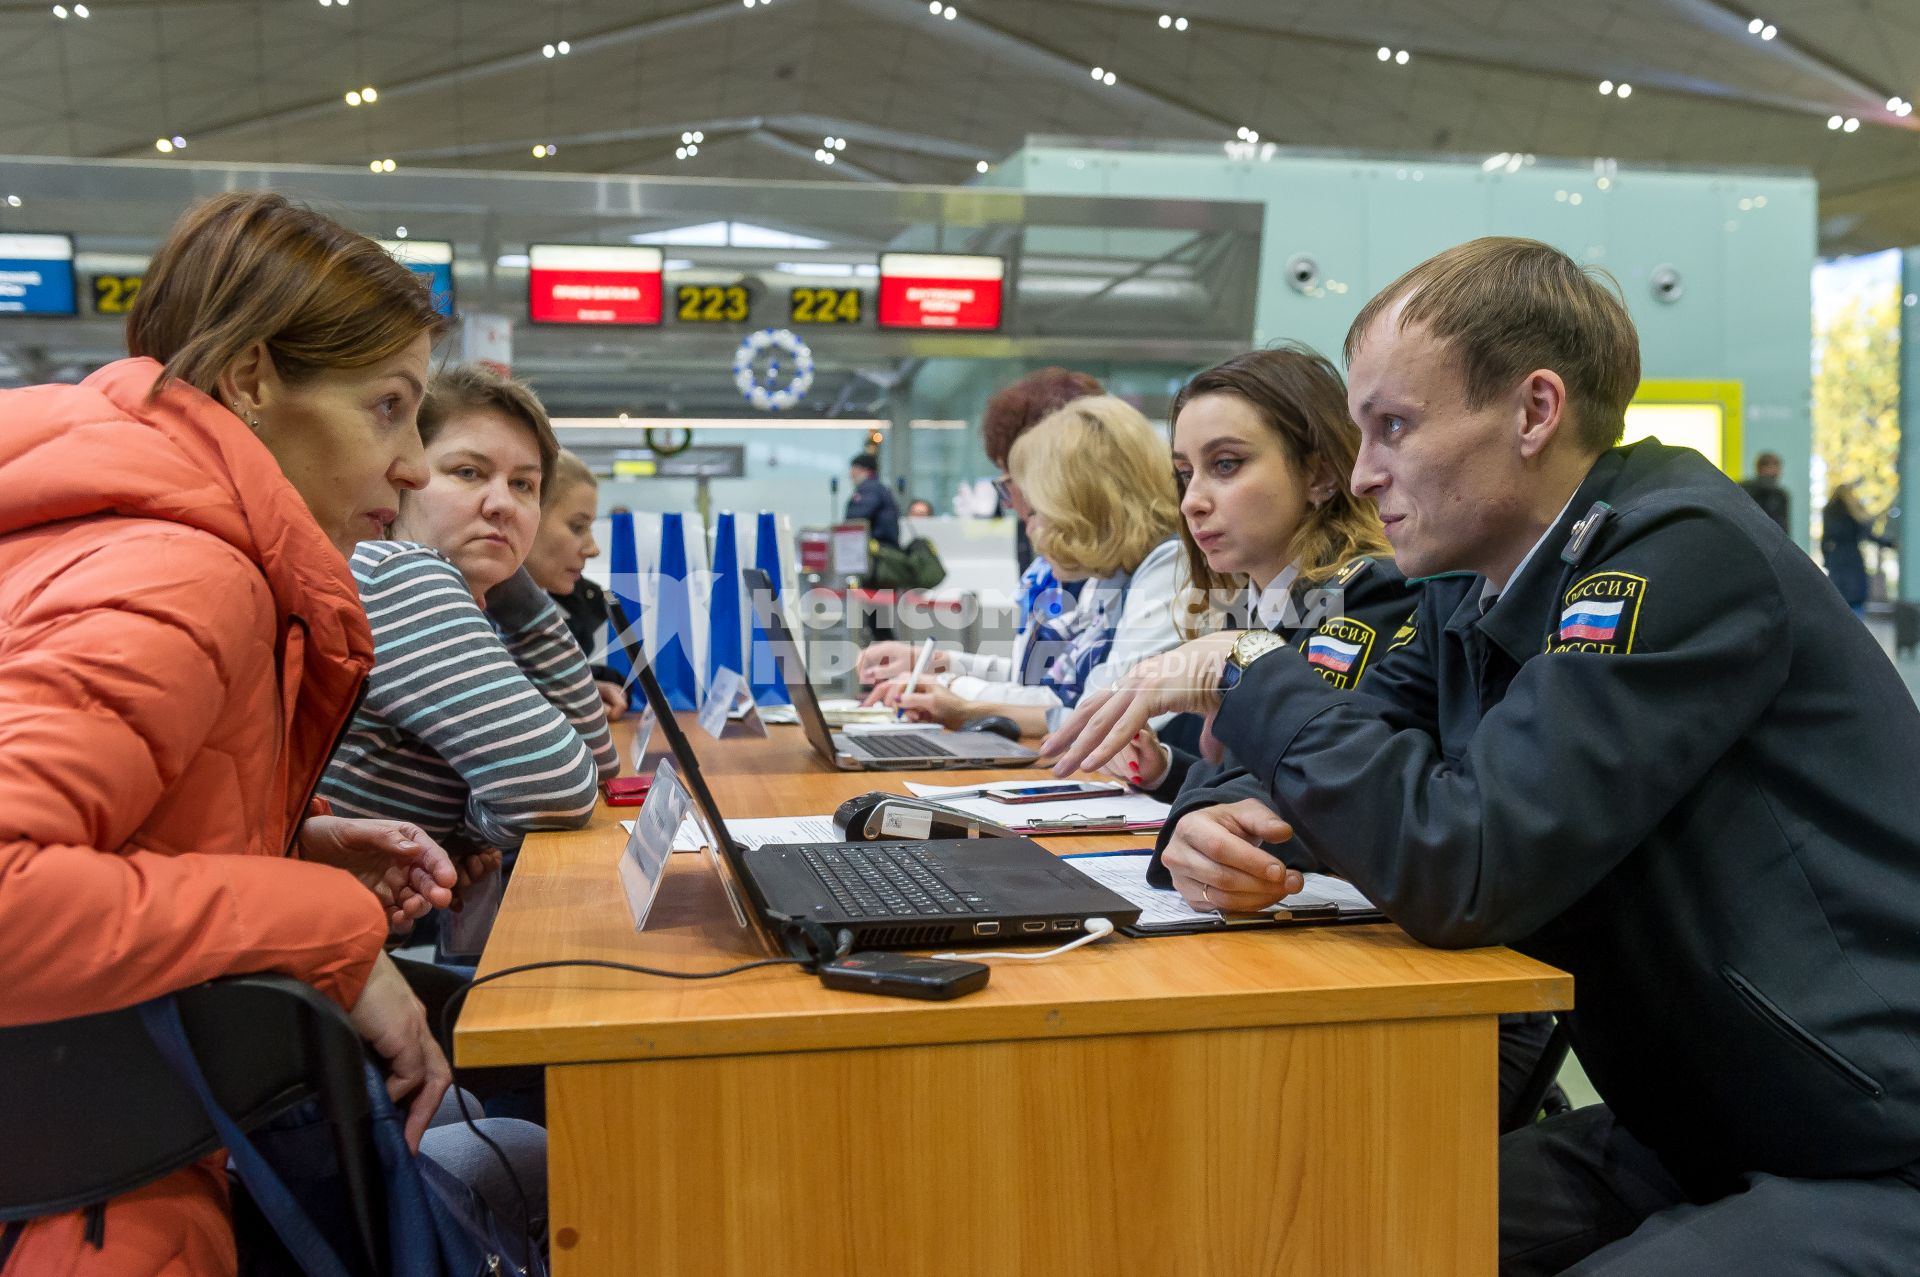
pixel 1561 779
pixel 1401 613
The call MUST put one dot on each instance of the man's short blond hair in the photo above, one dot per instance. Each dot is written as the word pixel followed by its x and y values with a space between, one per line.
pixel 1509 306
pixel 1101 482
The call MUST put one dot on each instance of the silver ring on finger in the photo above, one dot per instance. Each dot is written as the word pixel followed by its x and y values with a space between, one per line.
pixel 1204 896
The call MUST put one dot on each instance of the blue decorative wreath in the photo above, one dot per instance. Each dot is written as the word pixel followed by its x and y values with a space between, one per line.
pixel 768 395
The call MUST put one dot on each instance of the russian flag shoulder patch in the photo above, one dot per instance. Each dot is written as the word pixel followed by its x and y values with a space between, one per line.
pixel 1600 613
pixel 1339 649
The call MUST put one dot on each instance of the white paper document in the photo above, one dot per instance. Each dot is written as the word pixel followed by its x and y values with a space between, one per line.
pixel 1125 874
pixel 1125 810
pixel 756 832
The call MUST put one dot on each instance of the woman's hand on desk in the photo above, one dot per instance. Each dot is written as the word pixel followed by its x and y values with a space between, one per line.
pixel 933 705
pixel 890 660
pixel 1185 680
pixel 1217 862
pixel 613 698
pixel 410 872
pixel 1142 762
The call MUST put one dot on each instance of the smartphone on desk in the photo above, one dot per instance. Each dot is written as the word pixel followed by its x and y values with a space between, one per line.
pixel 1056 792
pixel 628 791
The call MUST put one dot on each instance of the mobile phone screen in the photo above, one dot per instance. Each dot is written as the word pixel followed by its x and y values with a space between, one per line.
pixel 1041 793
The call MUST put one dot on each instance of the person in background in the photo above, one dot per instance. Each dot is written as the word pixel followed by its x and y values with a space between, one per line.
pixel 1843 526
pixel 1013 410
pixel 1103 511
pixel 1642 742
pixel 1764 487
pixel 558 564
pixel 182 643
pixel 920 508
pixel 873 500
pixel 481 723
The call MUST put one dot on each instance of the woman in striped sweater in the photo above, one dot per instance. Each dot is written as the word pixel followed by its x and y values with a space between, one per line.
pixel 481 721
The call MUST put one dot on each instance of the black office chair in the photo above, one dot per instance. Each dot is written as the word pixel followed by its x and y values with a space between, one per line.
pixel 94 1111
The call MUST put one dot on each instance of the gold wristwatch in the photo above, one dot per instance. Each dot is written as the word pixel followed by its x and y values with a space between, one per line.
pixel 1247 649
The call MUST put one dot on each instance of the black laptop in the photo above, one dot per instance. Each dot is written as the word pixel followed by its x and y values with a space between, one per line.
pixel 929 748
pixel 894 895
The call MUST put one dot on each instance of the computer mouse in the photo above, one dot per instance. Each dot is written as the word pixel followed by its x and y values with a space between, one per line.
pixel 998 724
pixel 878 815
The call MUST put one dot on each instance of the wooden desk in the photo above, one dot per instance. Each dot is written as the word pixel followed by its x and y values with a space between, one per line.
pixel 1315 1101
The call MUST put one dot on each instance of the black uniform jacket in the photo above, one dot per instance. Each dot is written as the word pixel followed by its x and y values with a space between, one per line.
pixel 1671 762
pixel 585 611
pixel 1356 614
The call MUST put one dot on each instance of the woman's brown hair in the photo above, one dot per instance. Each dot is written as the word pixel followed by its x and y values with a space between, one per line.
pixel 1301 397
pixel 1018 407
pixel 1097 476
pixel 251 266
pixel 478 388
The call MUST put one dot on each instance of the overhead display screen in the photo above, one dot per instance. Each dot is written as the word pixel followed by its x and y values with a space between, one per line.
pixel 432 258
pixel 593 284
pixel 36 275
pixel 940 291
pixel 824 306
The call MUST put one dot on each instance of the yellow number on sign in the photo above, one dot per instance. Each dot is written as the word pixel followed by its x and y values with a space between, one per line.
pixel 848 311
pixel 114 294
pixel 736 305
pixel 688 296
pixel 803 305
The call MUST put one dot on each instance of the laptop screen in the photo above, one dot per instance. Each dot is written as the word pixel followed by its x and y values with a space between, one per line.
pixel 792 666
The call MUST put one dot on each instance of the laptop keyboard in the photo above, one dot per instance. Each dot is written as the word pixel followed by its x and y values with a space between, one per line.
pixel 889 880
pixel 902 745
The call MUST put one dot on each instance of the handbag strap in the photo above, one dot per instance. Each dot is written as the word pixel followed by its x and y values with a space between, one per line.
pixel 296 1230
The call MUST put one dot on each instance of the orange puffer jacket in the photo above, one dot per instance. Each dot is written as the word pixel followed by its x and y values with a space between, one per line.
pixel 180 645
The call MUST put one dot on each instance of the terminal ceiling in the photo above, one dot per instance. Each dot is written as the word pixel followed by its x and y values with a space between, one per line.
pixel 919 97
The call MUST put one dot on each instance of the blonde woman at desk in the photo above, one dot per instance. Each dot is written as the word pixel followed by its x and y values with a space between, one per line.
pixel 1103 511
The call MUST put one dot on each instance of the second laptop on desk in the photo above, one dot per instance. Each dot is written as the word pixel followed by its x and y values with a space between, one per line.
pixel 925 749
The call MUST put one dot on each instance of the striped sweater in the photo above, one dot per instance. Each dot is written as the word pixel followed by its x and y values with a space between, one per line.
pixel 477 726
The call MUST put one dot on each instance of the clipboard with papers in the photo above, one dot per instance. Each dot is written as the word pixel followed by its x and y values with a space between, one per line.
pixel 1323 901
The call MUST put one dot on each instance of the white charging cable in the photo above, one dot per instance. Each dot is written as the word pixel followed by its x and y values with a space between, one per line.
pixel 1097 929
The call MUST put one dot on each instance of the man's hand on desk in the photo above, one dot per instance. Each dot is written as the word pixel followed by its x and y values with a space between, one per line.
pixel 1185 680
pixel 473 867
pixel 1216 862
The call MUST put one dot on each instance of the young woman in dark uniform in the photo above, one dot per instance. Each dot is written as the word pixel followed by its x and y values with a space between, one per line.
pixel 1262 445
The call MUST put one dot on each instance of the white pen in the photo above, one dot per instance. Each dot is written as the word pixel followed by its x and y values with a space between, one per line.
pixel 913 679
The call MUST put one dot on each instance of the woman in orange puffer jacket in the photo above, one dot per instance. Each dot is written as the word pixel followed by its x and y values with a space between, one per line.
pixel 180 645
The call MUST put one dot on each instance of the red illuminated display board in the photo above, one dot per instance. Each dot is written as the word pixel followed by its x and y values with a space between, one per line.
pixel 940 291
pixel 593 284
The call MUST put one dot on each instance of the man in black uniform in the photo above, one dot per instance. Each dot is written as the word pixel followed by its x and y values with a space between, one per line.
pixel 1644 741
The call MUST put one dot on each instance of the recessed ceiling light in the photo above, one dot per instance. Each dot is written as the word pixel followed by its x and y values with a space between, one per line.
pixel 1851 126
pixel 694 149
pixel 698 136
pixel 539 151
pixel 1108 78
pixel 1098 72
pixel 980 167
pixel 353 97
pixel 369 94
pixel 1834 121
pixel 60 12
pixel 399 232
pixel 548 50
pixel 1179 24
pixel 948 13
pixel 80 11
pixel 1401 57
pixel 13 201
pixel 1166 20
pixel 564 48
pixel 934 8
pixel 1385 54
pixel 680 153
pixel 1753 28
pixel 164 146
pixel 1769 31
pixel 1624 91
pixel 1606 86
